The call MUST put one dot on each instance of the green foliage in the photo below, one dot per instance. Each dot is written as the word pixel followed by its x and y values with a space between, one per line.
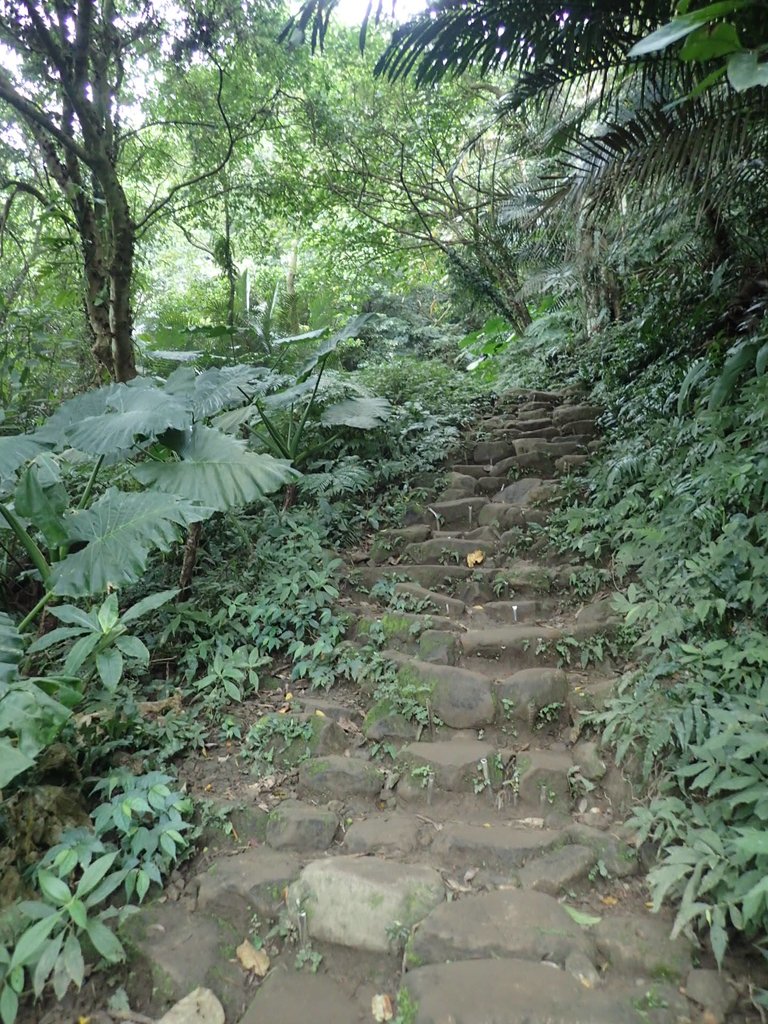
pixel 680 503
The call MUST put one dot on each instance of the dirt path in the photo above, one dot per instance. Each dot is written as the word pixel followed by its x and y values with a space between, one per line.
pixel 466 867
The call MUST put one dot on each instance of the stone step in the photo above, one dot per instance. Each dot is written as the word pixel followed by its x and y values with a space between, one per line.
pixel 489 452
pixel 442 603
pixel 521 610
pixel 449 551
pixel 285 994
pixel 519 992
pixel 460 698
pixel 573 446
pixel 523 696
pixel 387 543
pixel 496 847
pixel 453 766
pixel 355 901
pixel 474 584
pixel 533 464
pixel 523 925
pixel 573 413
pixel 567 463
pixel 504 516
pixel 462 512
pixel 478 472
pixel 519 646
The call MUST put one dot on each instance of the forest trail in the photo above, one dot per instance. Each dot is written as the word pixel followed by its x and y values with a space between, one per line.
pixel 468 865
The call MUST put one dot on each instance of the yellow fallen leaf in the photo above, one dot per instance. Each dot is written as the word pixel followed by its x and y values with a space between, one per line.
pixel 289 696
pixel 252 959
pixel 319 713
pixel 609 901
pixel 649 905
pixel 475 558
pixel 382 1009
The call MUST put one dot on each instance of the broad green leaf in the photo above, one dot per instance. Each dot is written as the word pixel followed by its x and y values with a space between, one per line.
pixel 752 842
pixel 120 530
pixel 54 889
pixel 15 450
pixel 75 410
pixel 32 717
pixel 148 604
pixel 12 763
pixel 66 690
pixel 80 652
pixel 105 942
pixel 11 648
pixel 580 917
pixel 218 471
pixel 289 396
pixel 56 636
pixel 132 413
pixel 711 41
pixel 94 873
pixel 74 965
pixel 363 413
pixel 46 963
pixel 681 27
pixel 351 330
pixel 744 72
pixel 109 613
pixel 42 506
pixel 109 665
pixel 220 388
pixel 133 647
pixel 9 1005
pixel 75 616
pixel 78 913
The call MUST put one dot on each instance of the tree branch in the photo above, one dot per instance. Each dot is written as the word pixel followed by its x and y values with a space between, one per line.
pixel 157 207
pixel 36 117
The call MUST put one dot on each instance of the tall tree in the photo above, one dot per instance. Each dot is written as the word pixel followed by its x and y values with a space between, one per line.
pixel 75 72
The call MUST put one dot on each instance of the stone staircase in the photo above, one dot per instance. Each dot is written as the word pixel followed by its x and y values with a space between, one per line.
pixel 476 871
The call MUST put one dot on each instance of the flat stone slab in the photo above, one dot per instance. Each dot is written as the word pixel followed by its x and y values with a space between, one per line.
pixel 174 950
pixel 449 549
pixel 336 777
pixel 357 901
pixel 511 992
pixel 543 778
pixel 453 764
pixel 495 846
pixel 199 1007
pixel 571 413
pixel 462 512
pixel 518 493
pixel 294 825
pixel 640 943
pixel 523 694
pixel 391 834
pixel 294 997
pixel 558 870
pixel 441 603
pixel 460 698
pixel 235 888
pixel 520 646
pixel 521 925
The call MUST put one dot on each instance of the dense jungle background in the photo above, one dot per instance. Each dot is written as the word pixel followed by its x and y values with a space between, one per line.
pixel 259 269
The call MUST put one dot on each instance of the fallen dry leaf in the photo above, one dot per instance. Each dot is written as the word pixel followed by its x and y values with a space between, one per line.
pixel 382 1009
pixel 319 713
pixel 475 558
pixel 252 959
pixel 609 901
pixel 469 874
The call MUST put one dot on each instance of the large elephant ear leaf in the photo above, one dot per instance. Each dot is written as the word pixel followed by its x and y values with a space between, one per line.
pixel 351 330
pixel 218 388
pixel 15 451
pixel 132 413
pixel 217 471
pixel 11 649
pixel 363 413
pixel 119 530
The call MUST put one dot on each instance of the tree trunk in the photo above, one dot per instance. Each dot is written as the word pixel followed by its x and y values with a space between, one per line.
pixel 290 289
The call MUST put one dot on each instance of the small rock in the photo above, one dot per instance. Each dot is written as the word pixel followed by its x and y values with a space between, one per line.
pixel 544 779
pixel 582 969
pixel 712 992
pixel 557 870
pixel 587 756
pixel 200 1007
